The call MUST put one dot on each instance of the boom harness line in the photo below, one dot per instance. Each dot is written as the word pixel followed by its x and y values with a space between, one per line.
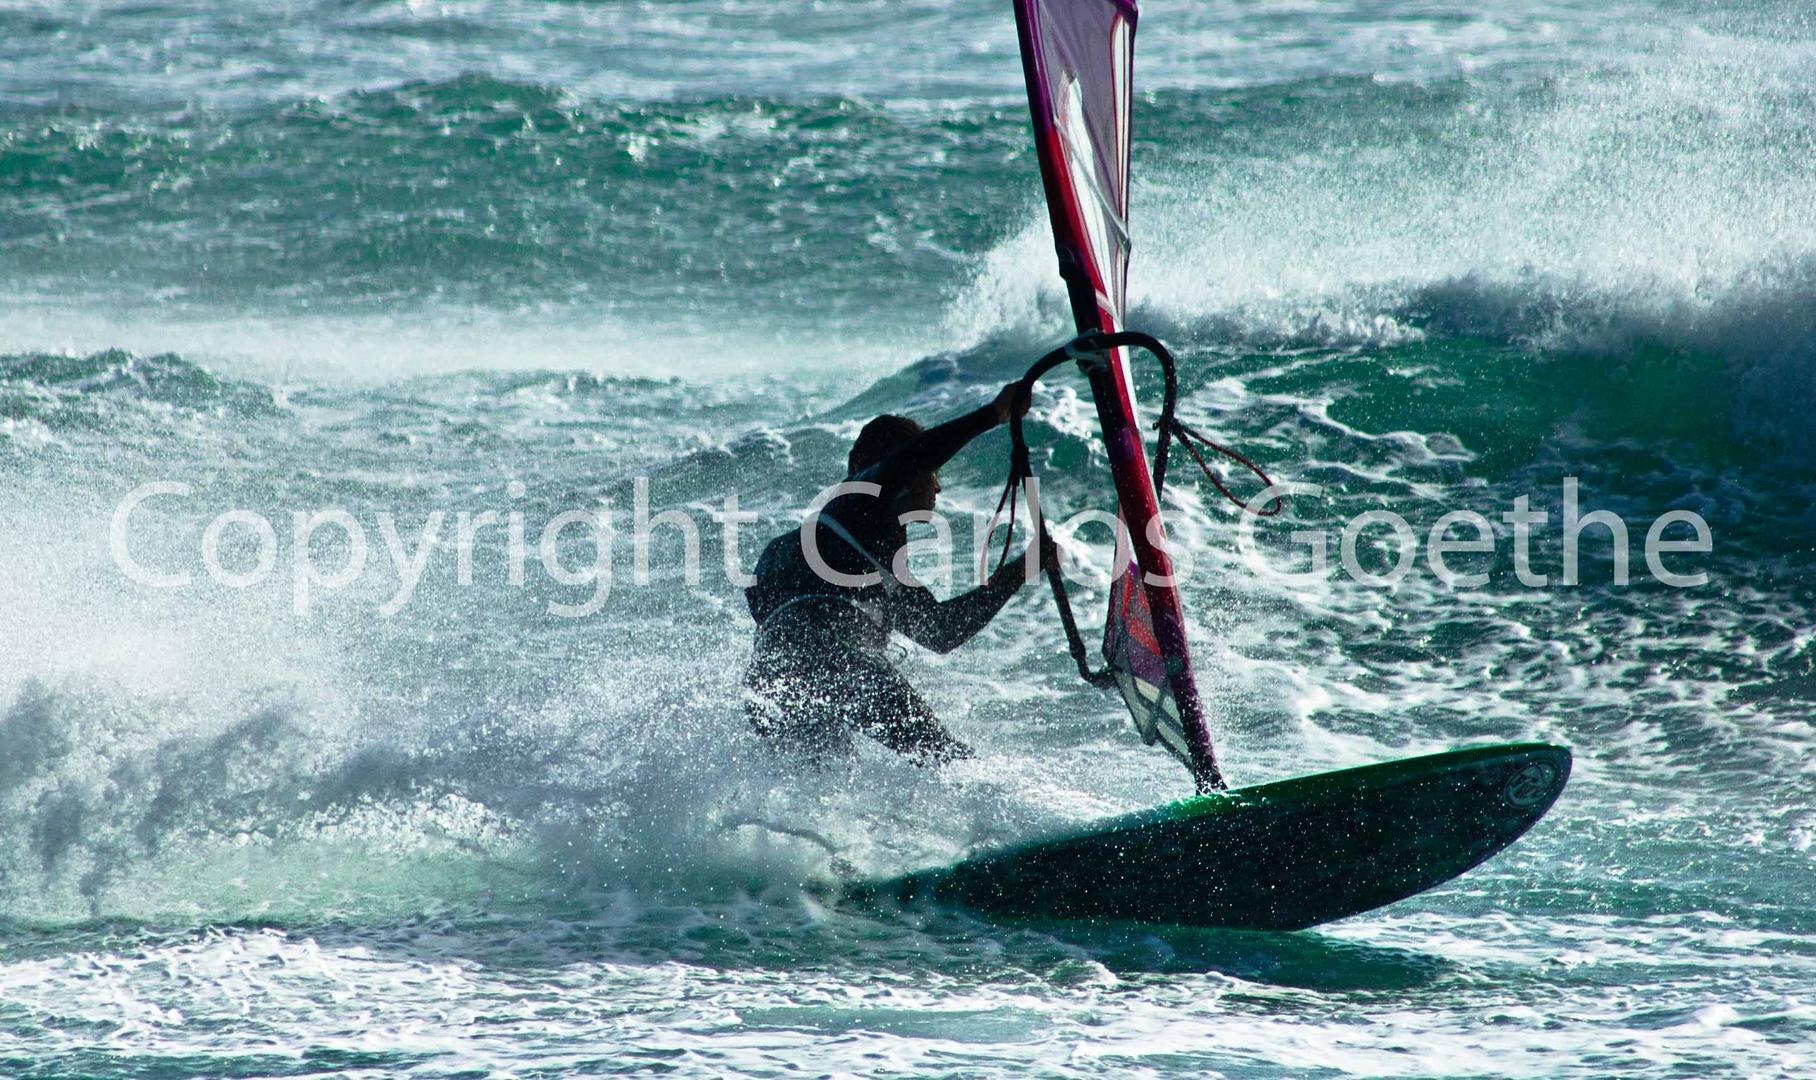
pixel 1091 350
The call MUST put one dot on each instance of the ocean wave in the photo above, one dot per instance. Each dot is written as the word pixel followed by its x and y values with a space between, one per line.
pixel 64 392
pixel 504 196
pixel 1643 228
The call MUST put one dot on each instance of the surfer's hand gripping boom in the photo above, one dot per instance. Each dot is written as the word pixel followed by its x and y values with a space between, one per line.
pixel 1012 402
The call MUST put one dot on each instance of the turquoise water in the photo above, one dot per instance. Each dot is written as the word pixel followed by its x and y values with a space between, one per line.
pixel 402 258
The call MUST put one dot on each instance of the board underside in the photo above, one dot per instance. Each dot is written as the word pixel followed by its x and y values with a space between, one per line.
pixel 1280 856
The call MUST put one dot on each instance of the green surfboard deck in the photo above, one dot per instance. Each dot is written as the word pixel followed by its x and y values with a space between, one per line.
pixel 1278 856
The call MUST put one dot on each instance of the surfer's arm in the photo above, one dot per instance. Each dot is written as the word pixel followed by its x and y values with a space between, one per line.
pixel 929 450
pixel 936 446
pixel 945 625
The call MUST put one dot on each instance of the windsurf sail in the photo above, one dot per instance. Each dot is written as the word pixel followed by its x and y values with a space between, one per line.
pixel 1078 57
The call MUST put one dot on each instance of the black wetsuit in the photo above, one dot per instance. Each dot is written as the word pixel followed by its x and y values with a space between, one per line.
pixel 821 669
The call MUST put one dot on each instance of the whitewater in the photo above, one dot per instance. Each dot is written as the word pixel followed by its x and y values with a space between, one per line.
pixel 526 258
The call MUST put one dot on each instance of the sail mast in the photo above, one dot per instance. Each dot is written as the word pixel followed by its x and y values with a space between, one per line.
pixel 1078 57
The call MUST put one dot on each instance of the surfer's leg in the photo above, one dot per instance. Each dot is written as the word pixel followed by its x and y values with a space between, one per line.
pixel 794 706
pixel 886 708
pixel 814 736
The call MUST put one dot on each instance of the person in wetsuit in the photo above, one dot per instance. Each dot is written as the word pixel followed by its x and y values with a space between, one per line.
pixel 820 670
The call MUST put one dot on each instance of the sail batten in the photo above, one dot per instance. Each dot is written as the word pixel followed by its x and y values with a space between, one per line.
pixel 1078 56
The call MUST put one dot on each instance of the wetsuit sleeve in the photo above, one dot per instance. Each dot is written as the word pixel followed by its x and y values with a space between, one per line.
pixel 945 625
pixel 932 449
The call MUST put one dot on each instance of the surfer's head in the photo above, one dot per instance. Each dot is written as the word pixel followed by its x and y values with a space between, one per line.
pixel 882 437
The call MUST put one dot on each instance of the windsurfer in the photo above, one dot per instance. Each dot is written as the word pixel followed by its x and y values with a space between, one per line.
pixel 820 669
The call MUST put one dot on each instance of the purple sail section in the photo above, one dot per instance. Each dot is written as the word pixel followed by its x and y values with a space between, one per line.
pixel 1080 56
pixel 1140 668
